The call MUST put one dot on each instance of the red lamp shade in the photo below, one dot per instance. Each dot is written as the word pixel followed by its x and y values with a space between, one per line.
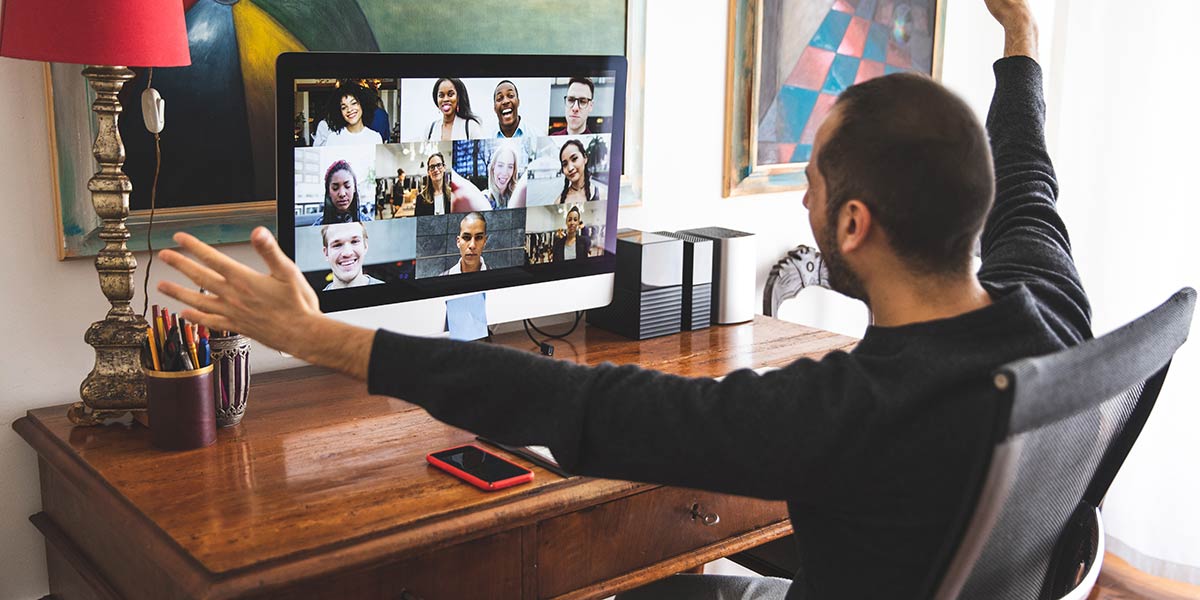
pixel 127 33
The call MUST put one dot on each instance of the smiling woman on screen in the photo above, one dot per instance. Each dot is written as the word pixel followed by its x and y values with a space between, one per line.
pixel 457 121
pixel 346 124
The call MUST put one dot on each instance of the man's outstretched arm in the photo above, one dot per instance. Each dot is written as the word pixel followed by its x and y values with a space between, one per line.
pixel 1024 240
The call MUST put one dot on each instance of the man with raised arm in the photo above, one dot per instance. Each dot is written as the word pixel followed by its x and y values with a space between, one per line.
pixel 874 450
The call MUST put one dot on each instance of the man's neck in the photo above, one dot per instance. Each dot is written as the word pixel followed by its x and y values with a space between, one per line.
pixel 919 300
pixel 360 279
pixel 511 131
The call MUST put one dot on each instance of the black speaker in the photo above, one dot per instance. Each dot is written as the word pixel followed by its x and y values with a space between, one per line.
pixel 648 290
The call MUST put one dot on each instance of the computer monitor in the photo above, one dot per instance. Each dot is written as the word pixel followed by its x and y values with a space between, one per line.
pixel 405 180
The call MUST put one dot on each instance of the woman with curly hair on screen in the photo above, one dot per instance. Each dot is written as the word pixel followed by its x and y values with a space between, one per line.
pixel 346 125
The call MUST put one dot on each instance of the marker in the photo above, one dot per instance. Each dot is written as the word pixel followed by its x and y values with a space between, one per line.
pixel 204 352
pixel 191 344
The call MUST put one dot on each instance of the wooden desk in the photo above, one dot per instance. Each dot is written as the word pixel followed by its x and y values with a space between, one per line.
pixel 323 492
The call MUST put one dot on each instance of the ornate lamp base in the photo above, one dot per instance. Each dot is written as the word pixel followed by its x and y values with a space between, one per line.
pixel 116 384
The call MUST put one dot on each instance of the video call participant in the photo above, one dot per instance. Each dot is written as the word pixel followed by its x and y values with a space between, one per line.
pixel 345 247
pixel 472 237
pixel 443 191
pixel 507 102
pixel 876 450
pixel 353 108
pixel 503 176
pixel 574 243
pixel 577 182
pixel 457 121
pixel 435 195
pixel 580 92
pixel 341 196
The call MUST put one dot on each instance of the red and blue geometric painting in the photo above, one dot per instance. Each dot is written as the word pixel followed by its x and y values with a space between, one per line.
pixel 857 40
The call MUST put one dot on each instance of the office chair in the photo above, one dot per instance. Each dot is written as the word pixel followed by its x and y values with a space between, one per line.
pixel 1034 529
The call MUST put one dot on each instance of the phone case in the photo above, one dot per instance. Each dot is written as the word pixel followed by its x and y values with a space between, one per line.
pixel 475 481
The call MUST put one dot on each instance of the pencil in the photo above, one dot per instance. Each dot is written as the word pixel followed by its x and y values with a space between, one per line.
pixel 153 349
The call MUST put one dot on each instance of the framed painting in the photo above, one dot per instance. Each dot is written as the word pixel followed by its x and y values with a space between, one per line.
pixel 787 62
pixel 217 174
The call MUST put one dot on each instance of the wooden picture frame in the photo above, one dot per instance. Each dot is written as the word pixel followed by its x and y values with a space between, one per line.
pixel 763 58
pixel 71 126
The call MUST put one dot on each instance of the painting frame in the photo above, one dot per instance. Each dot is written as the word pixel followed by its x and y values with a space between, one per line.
pixel 72 130
pixel 742 174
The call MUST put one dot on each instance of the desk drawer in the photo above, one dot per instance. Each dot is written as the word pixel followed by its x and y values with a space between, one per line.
pixel 581 548
pixel 485 569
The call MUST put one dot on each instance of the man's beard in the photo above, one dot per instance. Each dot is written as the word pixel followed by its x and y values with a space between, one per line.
pixel 842 278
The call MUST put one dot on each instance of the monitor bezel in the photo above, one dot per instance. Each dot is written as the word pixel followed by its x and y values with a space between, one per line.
pixel 350 65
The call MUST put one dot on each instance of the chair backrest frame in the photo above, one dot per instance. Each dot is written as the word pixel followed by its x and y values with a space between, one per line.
pixel 1135 358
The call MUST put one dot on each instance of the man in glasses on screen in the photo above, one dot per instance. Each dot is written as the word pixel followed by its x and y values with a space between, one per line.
pixel 580 92
pixel 472 236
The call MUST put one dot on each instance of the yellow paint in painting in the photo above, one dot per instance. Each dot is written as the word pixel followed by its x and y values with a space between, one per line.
pixel 260 40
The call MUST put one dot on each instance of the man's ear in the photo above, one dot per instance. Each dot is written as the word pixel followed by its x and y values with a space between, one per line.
pixel 854 225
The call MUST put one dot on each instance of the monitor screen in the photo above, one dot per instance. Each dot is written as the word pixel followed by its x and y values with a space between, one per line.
pixel 405 177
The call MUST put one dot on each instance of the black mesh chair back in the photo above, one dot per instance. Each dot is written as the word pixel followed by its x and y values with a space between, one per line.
pixel 1072 418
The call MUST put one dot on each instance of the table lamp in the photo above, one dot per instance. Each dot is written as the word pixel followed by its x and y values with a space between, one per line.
pixel 108 36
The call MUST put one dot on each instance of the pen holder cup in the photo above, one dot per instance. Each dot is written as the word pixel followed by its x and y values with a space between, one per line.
pixel 231 377
pixel 180 409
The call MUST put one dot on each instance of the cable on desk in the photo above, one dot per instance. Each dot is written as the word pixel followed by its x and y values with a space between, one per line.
pixel 545 347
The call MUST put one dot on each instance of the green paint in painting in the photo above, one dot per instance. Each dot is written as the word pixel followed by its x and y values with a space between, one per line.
pixel 499 26
pixel 328 25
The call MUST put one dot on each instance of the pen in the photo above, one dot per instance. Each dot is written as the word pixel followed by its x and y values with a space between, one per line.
pixel 183 353
pixel 170 353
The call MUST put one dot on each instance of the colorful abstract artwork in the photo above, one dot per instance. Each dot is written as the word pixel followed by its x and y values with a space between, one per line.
pixel 218 148
pixel 789 60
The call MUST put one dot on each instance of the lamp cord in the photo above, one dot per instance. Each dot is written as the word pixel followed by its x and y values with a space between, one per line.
pixel 150 225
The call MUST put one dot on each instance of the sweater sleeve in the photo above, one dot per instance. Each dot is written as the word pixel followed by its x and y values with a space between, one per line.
pixel 625 422
pixel 1024 240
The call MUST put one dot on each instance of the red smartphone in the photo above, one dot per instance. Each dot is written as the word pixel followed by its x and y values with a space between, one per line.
pixel 479 467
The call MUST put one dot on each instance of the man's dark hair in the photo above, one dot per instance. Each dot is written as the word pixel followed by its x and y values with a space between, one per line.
pixel 509 82
pixel 915 154
pixel 585 81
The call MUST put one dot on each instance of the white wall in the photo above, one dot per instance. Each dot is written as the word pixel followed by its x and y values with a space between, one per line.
pixel 43 357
